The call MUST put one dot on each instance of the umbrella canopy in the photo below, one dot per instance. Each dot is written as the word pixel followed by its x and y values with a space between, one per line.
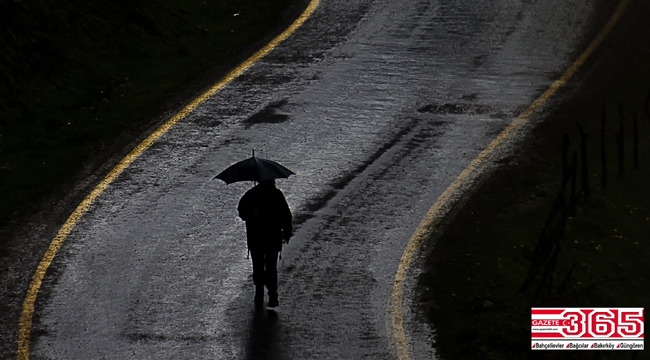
pixel 254 169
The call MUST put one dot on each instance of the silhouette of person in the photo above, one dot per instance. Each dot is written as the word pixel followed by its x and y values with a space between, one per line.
pixel 268 222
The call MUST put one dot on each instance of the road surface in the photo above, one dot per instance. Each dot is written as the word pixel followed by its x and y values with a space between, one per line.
pixel 376 106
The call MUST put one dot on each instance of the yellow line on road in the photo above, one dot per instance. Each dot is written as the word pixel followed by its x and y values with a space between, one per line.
pixel 464 182
pixel 25 324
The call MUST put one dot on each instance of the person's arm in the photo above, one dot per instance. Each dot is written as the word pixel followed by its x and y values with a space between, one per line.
pixel 244 207
pixel 287 219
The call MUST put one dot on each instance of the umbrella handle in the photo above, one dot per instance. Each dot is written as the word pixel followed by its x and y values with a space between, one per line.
pixel 254 182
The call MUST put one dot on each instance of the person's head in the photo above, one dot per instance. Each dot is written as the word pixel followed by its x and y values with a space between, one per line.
pixel 269 182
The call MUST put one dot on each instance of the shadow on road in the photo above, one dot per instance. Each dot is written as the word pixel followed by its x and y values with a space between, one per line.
pixel 264 336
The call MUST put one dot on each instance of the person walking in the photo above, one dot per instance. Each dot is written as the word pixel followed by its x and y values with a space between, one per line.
pixel 268 222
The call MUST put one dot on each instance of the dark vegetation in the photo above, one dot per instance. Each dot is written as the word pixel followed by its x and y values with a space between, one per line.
pixel 78 76
pixel 527 244
pixel 563 222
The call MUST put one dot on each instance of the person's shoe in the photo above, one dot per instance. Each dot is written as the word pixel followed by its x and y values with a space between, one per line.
pixel 273 301
pixel 259 300
pixel 259 295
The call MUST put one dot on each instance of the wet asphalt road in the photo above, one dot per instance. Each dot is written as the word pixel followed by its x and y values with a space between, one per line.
pixel 377 106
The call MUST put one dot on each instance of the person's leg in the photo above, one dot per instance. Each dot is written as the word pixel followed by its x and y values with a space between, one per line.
pixel 271 277
pixel 258 275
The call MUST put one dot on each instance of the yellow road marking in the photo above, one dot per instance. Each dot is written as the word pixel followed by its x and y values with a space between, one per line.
pixel 25 324
pixel 464 181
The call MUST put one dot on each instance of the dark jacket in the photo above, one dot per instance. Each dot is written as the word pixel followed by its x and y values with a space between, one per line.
pixel 267 216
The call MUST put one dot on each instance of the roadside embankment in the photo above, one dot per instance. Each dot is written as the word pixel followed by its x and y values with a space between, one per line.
pixel 80 79
pixel 81 83
pixel 474 287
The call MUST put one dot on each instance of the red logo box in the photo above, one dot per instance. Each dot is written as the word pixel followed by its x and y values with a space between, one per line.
pixel 587 328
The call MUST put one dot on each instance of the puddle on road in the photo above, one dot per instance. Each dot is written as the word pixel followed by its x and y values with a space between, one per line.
pixel 268 115
pixel 456 109
pixel 463 109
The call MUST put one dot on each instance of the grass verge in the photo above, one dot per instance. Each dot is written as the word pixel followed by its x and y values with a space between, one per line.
pixel 77 77
pixel 475 286
pixel 470 286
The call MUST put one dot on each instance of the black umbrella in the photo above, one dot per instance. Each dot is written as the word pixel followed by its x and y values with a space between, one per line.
pixel 254 169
